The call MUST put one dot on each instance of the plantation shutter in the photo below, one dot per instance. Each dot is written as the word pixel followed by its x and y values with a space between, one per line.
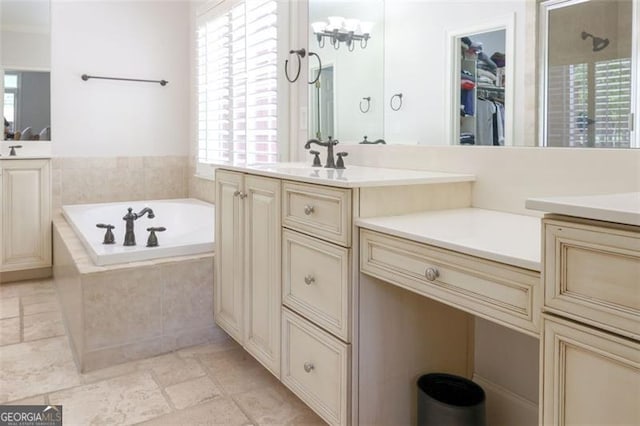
pixel 237 83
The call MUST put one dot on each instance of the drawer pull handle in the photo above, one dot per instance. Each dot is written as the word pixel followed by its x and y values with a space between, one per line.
pixel 308 280
pixel 308 367
pixel 308 210
pixel 431 274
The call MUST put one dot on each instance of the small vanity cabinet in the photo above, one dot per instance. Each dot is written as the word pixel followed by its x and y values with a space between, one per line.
pixel 591 334
pixel 25 216
pixel 247 285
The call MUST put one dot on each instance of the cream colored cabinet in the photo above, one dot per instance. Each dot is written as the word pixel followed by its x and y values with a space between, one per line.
pixel 316 297
pixel 248 242
pixel 590 346
pixel 25 235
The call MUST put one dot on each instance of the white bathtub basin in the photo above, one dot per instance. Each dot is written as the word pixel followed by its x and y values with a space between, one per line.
pixel 189 223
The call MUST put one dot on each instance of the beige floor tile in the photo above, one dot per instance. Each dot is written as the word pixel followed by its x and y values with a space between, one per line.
pixel 239 380
pixel 220 411
pixel 9 331
pixel 123 400
pixel 34 400
pixel 193 392
pixel 34 368
pixel 9 307
pixel 209 348
pixel 170 369
pixel 276 405
pixel 26 288
pixel 228 360
pixel 43 325
pixel 38 303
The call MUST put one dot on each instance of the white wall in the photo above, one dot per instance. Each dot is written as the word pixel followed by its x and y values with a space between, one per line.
pixel 417 64
pixel 25 51
pixel 135 39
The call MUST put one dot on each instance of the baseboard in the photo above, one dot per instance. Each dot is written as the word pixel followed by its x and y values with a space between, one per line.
pixel 505 407
pixel 27 274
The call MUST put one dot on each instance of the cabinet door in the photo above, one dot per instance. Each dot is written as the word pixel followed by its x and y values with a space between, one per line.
pixel 228 291
pixel 589 376
pixel 26 215
pixel 262 289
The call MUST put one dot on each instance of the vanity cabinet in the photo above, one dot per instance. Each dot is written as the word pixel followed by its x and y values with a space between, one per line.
pixel 247 296
pixel 25 234
pixel 590 346
pixel 317 284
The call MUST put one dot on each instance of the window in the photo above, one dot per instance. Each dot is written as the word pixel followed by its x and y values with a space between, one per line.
pixel 590 113
pixel 237 82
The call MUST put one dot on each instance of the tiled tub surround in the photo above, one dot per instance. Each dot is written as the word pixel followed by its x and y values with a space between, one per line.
pixel 80 180
pixel 130 311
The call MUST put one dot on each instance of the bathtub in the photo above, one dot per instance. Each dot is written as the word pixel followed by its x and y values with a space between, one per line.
pixel 189 223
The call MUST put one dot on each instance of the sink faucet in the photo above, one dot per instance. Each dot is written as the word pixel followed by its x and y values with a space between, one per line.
pixel 330 164
pixel 129 236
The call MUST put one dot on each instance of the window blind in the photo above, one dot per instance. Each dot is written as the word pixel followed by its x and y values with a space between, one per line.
pixel 237 84
pixel 586 110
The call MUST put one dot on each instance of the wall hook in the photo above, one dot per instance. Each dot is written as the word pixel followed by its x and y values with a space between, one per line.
pixel 365 109
pixel 300 53
pixel 399 103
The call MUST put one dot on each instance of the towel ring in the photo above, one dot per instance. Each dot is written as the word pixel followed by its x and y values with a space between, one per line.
pixel 300 53
pixel 319 67
pixel 399 96
pixel 365 110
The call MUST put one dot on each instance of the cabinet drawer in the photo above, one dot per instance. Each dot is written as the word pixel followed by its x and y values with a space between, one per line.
pixel 592 274
pixel 501 293
pixel 318 210
pixel 315 366
pixel 316 281
pixel 589 376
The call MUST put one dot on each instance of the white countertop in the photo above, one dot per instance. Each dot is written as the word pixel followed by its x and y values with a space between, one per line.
pixel 351 177
pixel 619 208
pixel 502 237
pixel 29 150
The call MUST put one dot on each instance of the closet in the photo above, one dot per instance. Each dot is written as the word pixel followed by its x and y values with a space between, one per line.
pixel 482 87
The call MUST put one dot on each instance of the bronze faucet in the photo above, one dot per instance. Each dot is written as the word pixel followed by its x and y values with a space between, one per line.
pixel 330 164
pixel 129 236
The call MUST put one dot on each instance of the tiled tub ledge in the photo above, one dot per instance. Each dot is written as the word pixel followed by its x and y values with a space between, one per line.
pixel 130 311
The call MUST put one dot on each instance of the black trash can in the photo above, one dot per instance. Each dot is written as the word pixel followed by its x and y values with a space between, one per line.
pixel 448 400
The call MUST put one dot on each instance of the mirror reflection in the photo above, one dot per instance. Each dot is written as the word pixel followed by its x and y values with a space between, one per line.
pixel 25 69
pixel 588 78
pixel 347 101
pixel 585 52
pixel 482 88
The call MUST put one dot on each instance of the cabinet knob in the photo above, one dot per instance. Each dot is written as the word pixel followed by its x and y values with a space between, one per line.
pixel 240 194
pixel 243 195
pixel 308 366
pixel 308 280
pixel 431 274
pixel 235 194
pixel 308 210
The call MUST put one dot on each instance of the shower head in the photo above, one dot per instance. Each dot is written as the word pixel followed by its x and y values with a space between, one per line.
pixel 598 43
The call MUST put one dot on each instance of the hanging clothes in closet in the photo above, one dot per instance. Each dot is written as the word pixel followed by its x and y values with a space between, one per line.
pixel 489 122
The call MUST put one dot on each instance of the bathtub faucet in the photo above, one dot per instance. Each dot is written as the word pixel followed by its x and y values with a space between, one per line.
pixel 129 236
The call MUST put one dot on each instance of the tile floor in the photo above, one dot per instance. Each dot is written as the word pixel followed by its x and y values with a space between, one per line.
pixel 217 383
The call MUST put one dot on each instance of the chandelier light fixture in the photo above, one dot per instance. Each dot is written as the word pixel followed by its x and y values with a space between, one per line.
pixel 341 30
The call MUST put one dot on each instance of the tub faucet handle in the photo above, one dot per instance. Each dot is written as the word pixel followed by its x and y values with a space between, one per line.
pixel 152 241
pixel 108 236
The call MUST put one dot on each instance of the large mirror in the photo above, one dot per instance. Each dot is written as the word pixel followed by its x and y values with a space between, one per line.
pixel 347 100
pixel 421 38
pixel 25 72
